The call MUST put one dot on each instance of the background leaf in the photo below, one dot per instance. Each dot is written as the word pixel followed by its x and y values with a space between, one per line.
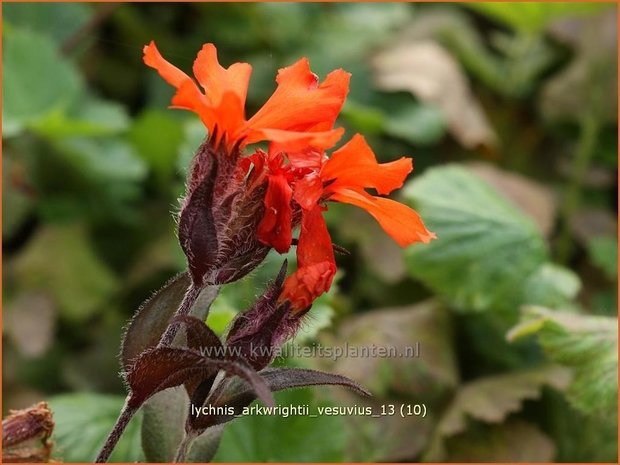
pixel 551 285
pixel 515 441
pixel 83 422
pixel 163 426
pixel 492 399
pixel 588 344
pixel 59 21
pixel 60 262
pixel 160 156
pixel 604 253
pixel 486 247
pixel 533 16
pixel 266 438
pixel 26 57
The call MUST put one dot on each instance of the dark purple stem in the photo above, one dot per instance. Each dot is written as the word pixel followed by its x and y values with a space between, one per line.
pixel 166 339
pixel 186 305
pixel 121 423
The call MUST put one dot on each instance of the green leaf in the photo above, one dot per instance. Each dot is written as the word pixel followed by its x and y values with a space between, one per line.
pixel 104 160
pixel 157 136
pixel 417 124
pixel 58 21
pixel 604 253
pixel 578 437
pixel 274 438
pixel 533 17
pixel 552 286
pixel 485 248
pixel 88 177
pixel 83 421
pixel 89 117
pixel 60 261
pixel 363 118
pixel 588 344
pixel 163 424
pixel 36 80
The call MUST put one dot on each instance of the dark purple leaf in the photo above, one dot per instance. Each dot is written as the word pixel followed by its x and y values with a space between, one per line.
pixel 152 318
pixel 197 229
pixel 164 367
pixel 239 394
pixel 200 337
pixel 279 379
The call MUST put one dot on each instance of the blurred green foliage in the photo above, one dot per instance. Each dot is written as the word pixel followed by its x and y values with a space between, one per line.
pixel 93 168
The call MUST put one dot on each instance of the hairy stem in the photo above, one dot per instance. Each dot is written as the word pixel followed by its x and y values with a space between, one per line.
pixel 188 301
pixel 191 433
pixel 127 413
pixel 121 423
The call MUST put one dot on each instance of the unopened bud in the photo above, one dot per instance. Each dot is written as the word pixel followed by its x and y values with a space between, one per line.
pixel 256 334
pixel 219 217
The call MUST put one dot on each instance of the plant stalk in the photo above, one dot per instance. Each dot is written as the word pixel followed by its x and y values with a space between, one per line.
pixel 124 417
pixel 189 299
pixel 127 413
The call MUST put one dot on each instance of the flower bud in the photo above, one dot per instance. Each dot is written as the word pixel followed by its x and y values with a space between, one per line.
pixel 256 334
pixel 219 217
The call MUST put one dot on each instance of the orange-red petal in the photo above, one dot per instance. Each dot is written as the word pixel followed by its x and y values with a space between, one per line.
pixel 308 190
pixel 400 222
pixel 315 244
pixel 308 283
pixel 189 97
pixel 316 266
pixel 171 74
pixel 291 141
pixel 275 227
pixel 217 80
pixel 355 166
pixel 299 103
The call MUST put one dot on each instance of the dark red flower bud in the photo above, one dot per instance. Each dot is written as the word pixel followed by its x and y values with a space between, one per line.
pixel 256 334
pixel 219 217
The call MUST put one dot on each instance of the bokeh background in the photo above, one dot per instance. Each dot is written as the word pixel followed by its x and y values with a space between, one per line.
pixel 510 114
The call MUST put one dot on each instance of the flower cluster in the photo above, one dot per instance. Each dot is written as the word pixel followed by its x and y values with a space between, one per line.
pixel 240 203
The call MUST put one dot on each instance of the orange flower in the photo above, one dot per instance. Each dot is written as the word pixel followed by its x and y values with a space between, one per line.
pixel 301 112
pixel 296 175
pixel 344 178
